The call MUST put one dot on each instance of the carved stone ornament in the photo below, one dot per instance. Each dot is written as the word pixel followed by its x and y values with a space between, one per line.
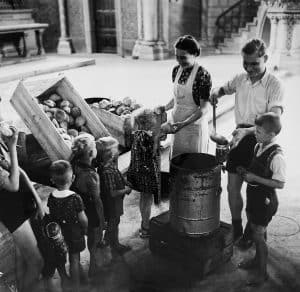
pixel 283 4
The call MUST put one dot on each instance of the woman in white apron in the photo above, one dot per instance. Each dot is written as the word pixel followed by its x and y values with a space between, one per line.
pixel 192 84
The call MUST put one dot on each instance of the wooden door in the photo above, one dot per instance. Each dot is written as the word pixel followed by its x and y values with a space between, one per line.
pixel 106 39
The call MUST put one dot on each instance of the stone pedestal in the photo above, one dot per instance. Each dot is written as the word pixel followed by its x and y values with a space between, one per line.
pixel 64 42
pixel 150 44
pixel 284 47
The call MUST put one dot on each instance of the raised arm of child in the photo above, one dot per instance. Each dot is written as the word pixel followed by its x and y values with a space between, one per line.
pixel 12 182
pixel 26 179
pixel 125 191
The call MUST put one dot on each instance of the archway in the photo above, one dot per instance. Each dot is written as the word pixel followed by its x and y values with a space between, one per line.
pixel 266 31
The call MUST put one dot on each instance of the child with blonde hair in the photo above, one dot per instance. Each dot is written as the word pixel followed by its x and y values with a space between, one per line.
pixel 113 190
pixel 87 185
pixel 144 170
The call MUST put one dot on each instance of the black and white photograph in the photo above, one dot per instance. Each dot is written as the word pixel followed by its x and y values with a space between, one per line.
pixel 149 145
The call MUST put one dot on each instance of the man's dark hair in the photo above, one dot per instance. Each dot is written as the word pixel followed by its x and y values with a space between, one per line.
pixel 270 122
pixel 255 46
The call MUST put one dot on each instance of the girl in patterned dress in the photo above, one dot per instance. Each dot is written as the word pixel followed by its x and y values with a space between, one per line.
pixel 87 185
pixel 144 170
pixel 67 209
pixel 113 190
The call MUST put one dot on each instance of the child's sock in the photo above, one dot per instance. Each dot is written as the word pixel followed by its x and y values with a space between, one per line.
pixel 237 228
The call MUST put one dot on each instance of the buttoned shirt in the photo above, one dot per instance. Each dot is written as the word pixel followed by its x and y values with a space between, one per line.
pixel 252 100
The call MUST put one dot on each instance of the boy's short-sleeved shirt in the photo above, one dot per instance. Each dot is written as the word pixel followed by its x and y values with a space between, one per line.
pixel 277 165
pixel 254 99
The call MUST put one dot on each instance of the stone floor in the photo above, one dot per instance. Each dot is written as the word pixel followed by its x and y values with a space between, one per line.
pixel 139 270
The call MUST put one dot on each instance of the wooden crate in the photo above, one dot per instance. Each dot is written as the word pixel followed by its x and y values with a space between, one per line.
pixel 40 125
pixel 118 126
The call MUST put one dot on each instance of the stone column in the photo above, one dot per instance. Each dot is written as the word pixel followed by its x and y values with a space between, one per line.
pixel 64 42
pixel 150 44
pixel 285 32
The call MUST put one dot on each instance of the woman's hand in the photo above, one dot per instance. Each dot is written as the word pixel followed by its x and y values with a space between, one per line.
pixel 159 109
pixel 11 141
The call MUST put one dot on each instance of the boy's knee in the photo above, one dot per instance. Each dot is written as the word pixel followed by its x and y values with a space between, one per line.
pixel 258 233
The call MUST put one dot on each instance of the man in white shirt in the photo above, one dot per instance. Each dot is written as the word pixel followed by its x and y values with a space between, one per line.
pixel 256 92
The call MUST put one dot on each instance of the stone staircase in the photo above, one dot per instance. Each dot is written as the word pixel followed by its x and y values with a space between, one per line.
pixel 229 38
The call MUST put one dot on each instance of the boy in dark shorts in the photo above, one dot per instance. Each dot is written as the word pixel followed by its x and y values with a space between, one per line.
pixel 67 209
pixel 265 174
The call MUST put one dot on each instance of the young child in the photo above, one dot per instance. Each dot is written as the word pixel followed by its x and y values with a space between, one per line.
pixel 87 185
pixel 144 170
pixel 113 190
pixel 67 209
pixel 265 174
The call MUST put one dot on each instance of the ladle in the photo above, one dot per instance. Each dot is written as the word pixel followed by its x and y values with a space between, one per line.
pixel 215 137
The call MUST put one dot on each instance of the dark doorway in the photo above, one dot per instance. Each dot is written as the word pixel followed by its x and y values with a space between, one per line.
pixel 106 39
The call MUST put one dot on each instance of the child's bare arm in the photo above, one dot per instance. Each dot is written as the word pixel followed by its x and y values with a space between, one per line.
pixel 83 220
pixel 125 191
pixel 272 183
pixel 11 183
pixel 93 185
pixel 40 209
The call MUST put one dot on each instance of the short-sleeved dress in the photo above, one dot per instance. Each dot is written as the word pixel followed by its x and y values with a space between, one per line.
pixel 144 169
pixel 87 184
pixel 65 211
pixel 15 207
pixel 111 180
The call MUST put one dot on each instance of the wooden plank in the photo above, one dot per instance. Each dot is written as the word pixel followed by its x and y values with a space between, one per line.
pixel 65 89
pixel 39 124
pixel 118 126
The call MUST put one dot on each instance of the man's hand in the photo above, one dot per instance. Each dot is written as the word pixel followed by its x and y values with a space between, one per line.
pixel 237 136
pixel 214 95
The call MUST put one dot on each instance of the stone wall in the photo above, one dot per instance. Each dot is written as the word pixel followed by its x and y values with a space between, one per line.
pixel 129 25
pixel 46 11
pixel 184 18
pixel 74 10
pixel 213 9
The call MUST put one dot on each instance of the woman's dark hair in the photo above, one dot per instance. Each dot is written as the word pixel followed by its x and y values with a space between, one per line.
pixel 270 122
pixel 188 43
pixel 255 46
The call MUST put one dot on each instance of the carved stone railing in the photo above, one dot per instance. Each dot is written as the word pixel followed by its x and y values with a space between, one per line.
pixel 285 29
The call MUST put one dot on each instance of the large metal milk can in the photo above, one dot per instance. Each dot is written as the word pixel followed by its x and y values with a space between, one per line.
pixel 195 194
